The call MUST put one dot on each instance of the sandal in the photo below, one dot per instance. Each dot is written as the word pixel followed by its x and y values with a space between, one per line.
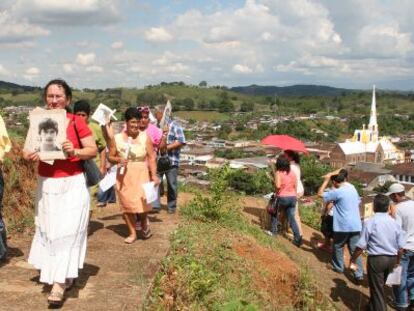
pixel 146 234
pixel 56 302
pixel 131 239
pixel 69 284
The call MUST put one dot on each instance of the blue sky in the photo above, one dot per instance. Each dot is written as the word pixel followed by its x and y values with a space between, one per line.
pixel 132 43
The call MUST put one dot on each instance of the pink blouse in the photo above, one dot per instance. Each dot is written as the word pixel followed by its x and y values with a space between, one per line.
pixel 288 184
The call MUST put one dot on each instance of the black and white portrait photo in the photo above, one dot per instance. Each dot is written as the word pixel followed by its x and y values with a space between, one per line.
pixel 47 132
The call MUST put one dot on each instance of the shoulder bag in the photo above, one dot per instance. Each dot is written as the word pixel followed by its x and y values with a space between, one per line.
pixel 163 163
pixel 272 206
pixel 91 171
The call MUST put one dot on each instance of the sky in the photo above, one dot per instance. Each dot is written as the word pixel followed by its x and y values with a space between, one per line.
pixel 133 43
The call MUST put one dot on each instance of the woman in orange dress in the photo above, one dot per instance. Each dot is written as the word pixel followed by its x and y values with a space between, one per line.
pixel 132 150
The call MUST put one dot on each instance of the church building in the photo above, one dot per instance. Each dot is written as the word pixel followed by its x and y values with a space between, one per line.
pixel 366 145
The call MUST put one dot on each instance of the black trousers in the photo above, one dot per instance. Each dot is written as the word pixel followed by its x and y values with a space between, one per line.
pixel 378 269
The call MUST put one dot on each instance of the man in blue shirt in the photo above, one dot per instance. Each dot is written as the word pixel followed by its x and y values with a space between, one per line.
pixel 171 143
pixel 383 238
pixel 346 219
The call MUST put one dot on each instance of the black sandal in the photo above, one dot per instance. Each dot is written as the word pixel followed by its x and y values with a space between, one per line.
pixel 53 302
pixel 146 234
pixel 69 284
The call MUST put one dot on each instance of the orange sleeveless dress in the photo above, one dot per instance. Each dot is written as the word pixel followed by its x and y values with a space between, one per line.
pixel 129 185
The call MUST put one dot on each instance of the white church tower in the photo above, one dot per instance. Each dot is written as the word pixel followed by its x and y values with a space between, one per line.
pixel 373 125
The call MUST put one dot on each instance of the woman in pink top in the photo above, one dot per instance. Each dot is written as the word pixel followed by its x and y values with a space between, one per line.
pixel 285 184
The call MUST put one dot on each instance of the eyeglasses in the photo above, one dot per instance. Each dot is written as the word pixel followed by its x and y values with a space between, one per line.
pixel 51 97
pixel 144 109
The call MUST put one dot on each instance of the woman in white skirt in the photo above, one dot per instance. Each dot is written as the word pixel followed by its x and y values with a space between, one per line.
pixel 62 204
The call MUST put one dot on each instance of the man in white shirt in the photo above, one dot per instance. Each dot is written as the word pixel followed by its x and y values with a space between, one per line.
pixel 404 214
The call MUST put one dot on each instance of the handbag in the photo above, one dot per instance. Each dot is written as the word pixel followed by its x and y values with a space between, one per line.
pixel 272 206
pixel 91 171
pixel 163 163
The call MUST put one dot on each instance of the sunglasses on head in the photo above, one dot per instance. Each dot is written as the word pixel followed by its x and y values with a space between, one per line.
pixel 143 109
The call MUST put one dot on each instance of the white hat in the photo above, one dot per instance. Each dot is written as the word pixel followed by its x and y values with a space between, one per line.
pixel 395 188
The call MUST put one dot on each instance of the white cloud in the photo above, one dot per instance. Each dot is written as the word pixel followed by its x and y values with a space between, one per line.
pixel 31 73
pixel 85 59
pixel 117 45
pixel 68 68
pixel 158 34
pixel 3 70
pixel 14 31
pixel 69 12
pixel 96 69
pixel 385 40
pixel 242 69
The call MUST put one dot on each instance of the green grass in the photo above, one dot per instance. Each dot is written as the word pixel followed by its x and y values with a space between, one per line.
pixel 311 216
pixel 202 272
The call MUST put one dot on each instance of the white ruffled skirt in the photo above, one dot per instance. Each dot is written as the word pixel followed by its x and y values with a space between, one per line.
pixel 62 211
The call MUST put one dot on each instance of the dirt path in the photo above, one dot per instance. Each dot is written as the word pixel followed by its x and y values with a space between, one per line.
pixel 338 287
pixel 116 276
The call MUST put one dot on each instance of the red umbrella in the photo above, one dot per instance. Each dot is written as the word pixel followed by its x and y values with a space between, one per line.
pixel 285 142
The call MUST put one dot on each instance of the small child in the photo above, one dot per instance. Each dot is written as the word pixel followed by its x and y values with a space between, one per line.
pixel 383 238
pixel 326 227
pixel 327 224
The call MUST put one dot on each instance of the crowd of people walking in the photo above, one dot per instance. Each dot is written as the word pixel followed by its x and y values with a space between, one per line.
pixel 143 152
pixel 64 200
pixel 387 238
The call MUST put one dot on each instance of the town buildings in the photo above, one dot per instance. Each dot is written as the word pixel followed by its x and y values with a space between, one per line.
pixel 366 145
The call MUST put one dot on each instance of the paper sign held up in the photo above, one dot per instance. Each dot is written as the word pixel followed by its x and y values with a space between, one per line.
pixel 103 114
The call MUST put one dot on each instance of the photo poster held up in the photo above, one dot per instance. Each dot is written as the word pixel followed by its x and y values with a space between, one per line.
pixel 103 114
pixel 47 133
pixel 166 116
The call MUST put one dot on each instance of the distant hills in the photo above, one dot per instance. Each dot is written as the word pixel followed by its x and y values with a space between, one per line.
pixel 13 86
pixel 294 90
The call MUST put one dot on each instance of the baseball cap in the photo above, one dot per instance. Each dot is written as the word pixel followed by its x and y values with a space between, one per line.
pixel 395 188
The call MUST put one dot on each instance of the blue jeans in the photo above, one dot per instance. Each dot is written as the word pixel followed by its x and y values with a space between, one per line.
pixel 172 189
pixel 288 204
pixel 405 291
pixel 106 197
pixel 339 241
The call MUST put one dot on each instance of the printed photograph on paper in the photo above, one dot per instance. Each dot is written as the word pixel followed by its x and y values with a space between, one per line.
pixel 47 132
pixel 103 114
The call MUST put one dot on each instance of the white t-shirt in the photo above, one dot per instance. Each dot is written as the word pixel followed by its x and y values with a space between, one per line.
pixel 295 168
pixel 405 217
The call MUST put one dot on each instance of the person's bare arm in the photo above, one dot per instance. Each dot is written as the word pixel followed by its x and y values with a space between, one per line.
pixel 108 134
pixel 324 185
pixel 278 181
pixel 174 145
pixel 31 156
pixel 88 150
pixel 102 158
